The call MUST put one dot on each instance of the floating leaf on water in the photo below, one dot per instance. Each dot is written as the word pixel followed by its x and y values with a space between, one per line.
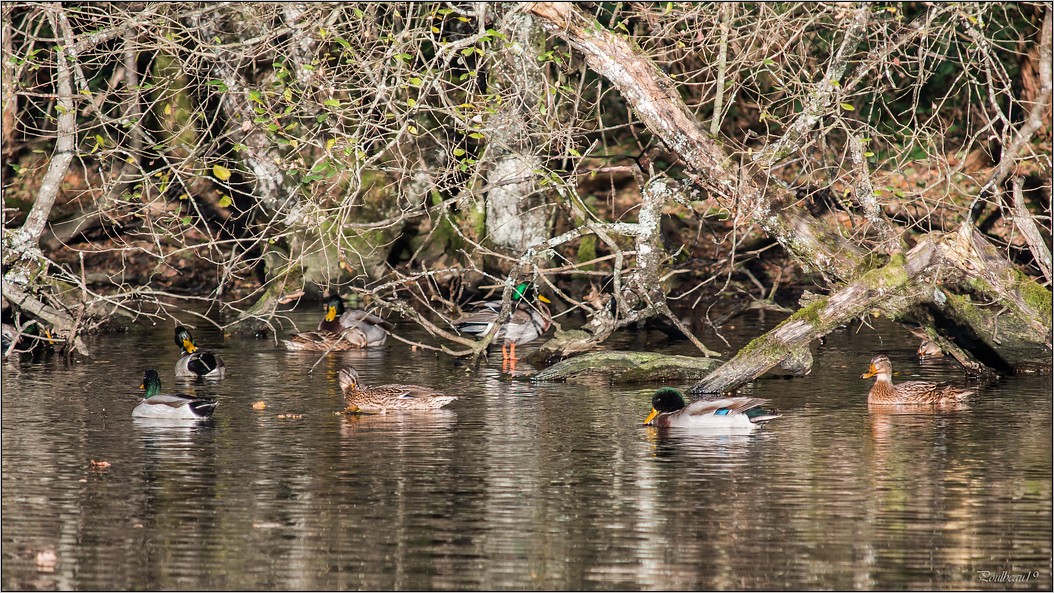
pixel 259 405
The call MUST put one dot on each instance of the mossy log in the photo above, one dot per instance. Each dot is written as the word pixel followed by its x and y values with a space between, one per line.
pixel 627 367
pixel 1012 339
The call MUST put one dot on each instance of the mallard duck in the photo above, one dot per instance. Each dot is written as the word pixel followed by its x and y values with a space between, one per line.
pixel 928 349
pixel 378 399
pixel 195 362
pixel 341 330
pixel 173 406
pixel 884 392
pixel 26 341
pixel 668 408
pixel 364 329
pixel 528 320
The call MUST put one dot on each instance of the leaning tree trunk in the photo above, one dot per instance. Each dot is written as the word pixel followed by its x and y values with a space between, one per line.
pixel 977 270
pixel 23 261
pixel 516 212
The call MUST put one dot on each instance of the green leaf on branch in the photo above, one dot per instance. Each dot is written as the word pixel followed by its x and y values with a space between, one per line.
pixel 220 172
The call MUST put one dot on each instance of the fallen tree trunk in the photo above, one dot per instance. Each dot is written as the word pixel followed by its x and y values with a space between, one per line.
pixel 920 279
pixel 939 274
pixel 894 286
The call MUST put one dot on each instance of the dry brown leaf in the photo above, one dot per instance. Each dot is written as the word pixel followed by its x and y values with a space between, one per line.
pixel 100 464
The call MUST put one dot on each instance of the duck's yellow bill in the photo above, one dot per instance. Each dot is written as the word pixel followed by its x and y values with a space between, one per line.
pixel 542 298
pixel 651 416
pixel 331 313
pixel 189 346
pixel 871 371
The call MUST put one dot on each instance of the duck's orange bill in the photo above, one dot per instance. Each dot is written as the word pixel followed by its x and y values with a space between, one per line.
pixel 142 386
pixel 871 371
pixel 651 416
pixel 331 313
pixel 542 298
pixel 189 346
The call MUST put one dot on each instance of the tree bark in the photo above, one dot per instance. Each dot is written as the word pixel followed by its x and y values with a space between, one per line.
pixel 1025 223
pixel 516 213
pixel 28 237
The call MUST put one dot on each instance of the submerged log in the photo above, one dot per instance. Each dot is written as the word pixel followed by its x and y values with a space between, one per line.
pixel 627 367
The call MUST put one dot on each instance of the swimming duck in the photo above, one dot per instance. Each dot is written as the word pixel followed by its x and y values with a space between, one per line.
pixel 528 320
pixel 364 329
pixel 195 362
pixel 668 408
pixel 884 392
pixel 341 330
pixel 928 349
pixel 173 406
pixel 380 398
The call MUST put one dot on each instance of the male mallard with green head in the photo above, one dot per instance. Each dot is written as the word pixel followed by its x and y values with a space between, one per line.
pixel 668 408
pixel 378 399
pixel 173 406
pixel 529 319
pixel 195 362
pixel 884 392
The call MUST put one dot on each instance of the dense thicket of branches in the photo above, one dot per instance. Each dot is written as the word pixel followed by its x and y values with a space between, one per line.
pixel 413 152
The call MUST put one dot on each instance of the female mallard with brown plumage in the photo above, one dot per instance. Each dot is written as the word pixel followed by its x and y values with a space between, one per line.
pixel 929 349
pixel 378 399
pixel 668 408
pixel 341 330
pixel 196 362
pixel 884 392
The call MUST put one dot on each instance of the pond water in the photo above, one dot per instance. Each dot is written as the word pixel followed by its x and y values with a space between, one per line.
pixel 516 485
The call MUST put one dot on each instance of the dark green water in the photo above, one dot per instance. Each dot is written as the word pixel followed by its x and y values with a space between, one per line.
pixel 516 486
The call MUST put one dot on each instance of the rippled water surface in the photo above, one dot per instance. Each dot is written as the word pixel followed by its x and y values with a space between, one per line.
pixel 548 486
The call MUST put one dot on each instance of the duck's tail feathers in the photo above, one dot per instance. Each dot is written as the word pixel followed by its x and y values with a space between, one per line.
pixel 203 407
pixel 204 364
pixel 760 415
